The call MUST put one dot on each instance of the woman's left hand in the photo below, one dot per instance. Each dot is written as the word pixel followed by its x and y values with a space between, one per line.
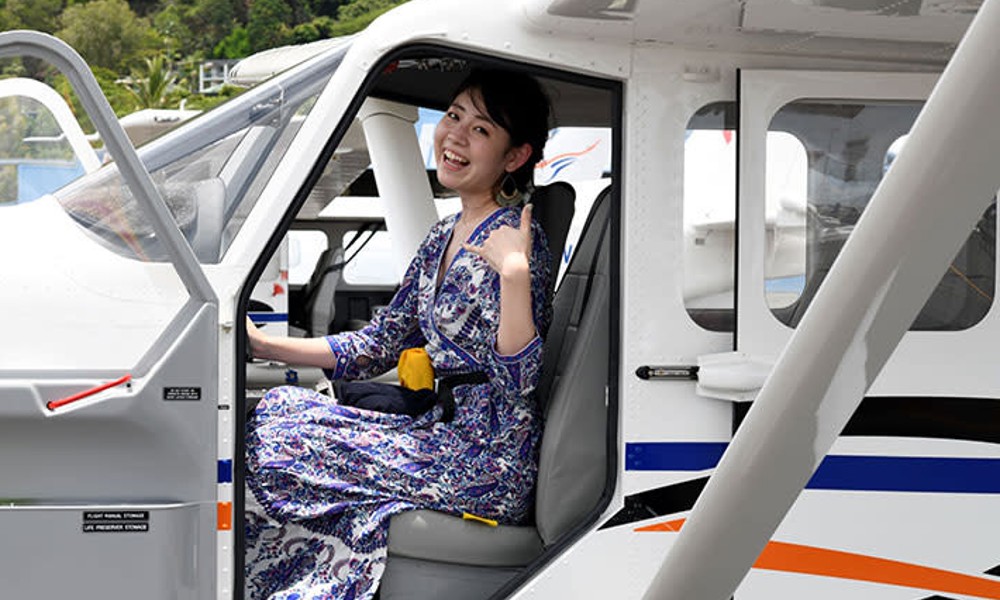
pixel 256 338
pixel 507 250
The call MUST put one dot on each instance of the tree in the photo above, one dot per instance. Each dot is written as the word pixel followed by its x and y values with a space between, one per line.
pixel 359 9
pixel 107 33
pixel 306 32
pixel 121 100
pixel 213 20
pixel 301 11
pixel 114 39
pixel 326 8
pixel 171 24
pixel 144 8
pixel 6 20
pixel 234 45
pixel 41 15
pixel 151 84
pixel 267 25
pixel 353 17
pixel 195 27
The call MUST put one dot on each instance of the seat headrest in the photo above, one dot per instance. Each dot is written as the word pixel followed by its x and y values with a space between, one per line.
pixel 554 206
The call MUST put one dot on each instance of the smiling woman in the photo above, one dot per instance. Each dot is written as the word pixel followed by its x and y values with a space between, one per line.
pixel 476 298
pixel 494 102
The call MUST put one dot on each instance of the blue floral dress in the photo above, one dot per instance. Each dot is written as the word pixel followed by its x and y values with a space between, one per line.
pixel 325 479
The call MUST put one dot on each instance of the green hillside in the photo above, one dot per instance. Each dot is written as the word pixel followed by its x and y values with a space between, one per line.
pixel 158 45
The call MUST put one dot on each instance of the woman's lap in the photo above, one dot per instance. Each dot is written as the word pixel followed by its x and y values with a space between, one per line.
pixel 329 478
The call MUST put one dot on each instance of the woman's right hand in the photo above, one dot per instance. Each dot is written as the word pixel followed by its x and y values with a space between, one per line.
pixel 508 249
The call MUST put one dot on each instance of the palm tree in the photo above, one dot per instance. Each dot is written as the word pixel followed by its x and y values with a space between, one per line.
pixel 151 84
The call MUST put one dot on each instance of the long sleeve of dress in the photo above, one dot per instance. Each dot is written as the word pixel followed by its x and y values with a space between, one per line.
pixel 521 371
pixel 375 349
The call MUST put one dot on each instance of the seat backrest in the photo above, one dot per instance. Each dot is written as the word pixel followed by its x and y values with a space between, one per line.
pixel 573 462
pixel 210 195
pixel 553 208
pixel 321 290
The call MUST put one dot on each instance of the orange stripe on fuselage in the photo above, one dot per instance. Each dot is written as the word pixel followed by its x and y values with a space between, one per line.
pixel 674 525
pixel 796 558
pixel 810 560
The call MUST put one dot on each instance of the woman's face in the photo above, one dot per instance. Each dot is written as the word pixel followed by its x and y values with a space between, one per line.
pixel 471 151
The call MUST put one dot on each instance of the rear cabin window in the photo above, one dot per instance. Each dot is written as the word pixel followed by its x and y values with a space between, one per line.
pixel 304 249
pixel 710 216
pixel 369 259
pixel 824 161
pixel 814 201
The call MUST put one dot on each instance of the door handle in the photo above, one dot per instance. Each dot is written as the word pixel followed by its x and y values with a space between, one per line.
pixel 54 404
pixel 674 372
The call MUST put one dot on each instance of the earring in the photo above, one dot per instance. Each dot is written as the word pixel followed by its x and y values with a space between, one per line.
pixel 508 194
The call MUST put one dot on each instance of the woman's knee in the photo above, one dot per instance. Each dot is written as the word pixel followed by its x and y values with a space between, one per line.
pixel 278 401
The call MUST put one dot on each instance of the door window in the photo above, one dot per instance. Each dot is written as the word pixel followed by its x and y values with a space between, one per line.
pixel 851 145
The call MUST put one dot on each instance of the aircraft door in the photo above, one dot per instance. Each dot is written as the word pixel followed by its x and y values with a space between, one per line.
pixel 108 382
pixel 813 147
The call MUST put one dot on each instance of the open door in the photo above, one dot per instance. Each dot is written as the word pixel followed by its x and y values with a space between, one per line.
pixel 108 382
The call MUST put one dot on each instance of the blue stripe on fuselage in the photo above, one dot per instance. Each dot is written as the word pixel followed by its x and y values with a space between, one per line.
pixel 268 317
pixel 839 472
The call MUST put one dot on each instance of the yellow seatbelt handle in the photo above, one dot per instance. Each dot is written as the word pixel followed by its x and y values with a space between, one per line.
pixel 471 517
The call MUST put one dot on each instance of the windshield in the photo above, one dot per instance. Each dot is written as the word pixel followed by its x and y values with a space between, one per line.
pixel 209 172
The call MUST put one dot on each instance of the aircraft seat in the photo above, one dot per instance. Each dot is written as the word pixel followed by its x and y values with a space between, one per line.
pixel 435 555
pixel 321 291
pixel 553 207
pixel 210 201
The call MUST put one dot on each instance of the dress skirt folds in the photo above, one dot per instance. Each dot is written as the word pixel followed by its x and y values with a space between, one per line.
pixel 325 479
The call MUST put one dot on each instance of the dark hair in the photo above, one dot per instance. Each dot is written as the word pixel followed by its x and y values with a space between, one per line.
pixel 516 102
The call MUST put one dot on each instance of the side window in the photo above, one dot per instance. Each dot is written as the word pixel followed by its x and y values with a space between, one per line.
pixel 210 171
pixel 36 157
pixel 304 249
pixel 785 218
pixel 710 215
pixel 580 156
pixel 849 147
pixel 369 258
